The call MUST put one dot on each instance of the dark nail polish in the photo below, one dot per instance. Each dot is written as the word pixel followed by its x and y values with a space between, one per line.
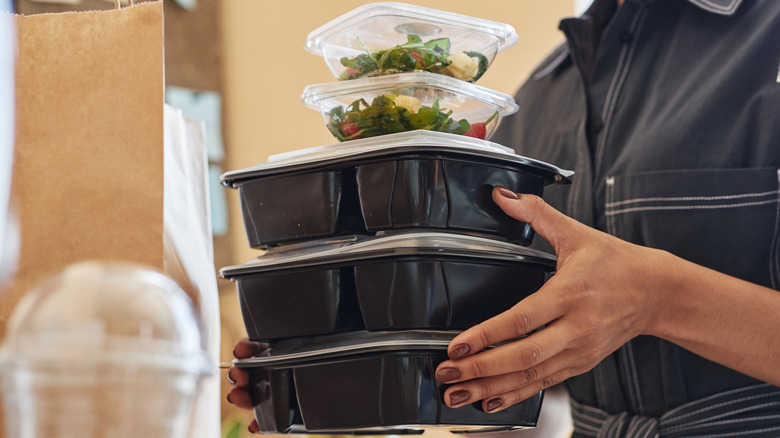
pixel 228 399
pixel 459 396
pixel 494 404
pixel 459 351
pixel 508 193
pixel 447 375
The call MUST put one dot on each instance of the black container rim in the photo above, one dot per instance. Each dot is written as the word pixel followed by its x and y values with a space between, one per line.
pixel 418 143
pixel 293 352
pixel 302 351
pixel 502 252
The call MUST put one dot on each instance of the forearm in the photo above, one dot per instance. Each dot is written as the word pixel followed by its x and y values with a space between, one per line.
pixel 719 317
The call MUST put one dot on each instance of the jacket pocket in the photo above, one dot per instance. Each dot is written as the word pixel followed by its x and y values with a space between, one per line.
pixel 724 219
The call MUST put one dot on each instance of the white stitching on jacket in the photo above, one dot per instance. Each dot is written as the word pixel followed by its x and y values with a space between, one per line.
pixel 748 432
pixel 615 86
pixel 722 404
pixel 719 395
pixel 693 198
pixel 640 408
pixel 689 207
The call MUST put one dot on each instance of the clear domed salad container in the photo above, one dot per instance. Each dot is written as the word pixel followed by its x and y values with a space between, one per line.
pixel 379 105
pixel 390 37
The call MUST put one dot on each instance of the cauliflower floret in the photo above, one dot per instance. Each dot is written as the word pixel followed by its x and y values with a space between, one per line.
pixel 409 102
pixel 462 67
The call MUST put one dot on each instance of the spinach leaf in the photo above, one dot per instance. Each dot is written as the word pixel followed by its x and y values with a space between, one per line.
pixel 383 116
pixel 412 55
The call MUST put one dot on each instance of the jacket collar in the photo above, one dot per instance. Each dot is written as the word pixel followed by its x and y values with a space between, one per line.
pixel 562 53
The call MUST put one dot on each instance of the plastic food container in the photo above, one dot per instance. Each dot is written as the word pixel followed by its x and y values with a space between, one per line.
pixel 417 179
pixel 102 347
pixel 411 280
pixel 373 383
pixel 385 38
pixel 381 105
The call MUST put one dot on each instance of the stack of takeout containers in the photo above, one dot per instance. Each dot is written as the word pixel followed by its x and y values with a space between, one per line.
pixel 392 244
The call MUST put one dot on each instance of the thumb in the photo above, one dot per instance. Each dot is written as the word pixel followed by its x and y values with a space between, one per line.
pixel 548 222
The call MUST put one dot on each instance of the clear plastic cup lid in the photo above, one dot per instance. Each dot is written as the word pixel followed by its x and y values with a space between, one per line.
pixel 300 350
pixel 403 142
pixel 96 313
pixel 385 37
pixel 399 244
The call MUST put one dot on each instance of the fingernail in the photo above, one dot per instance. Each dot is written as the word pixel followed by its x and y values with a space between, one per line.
pixel 228 399
pixel 231 380
pixel 494 404
pixel 508 193
pixel 459 351
pixel 447 374
pixel 253 427
pixel 459 396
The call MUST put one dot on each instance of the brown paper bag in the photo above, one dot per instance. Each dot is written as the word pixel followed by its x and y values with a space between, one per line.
pixel 88 165
pixel 88 171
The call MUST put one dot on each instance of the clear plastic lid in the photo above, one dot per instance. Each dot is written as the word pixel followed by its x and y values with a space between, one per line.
pixel 400 143
pixel 398 244
pixel 300 350
pixel 380 105
pixel 107 314
pixel 387 37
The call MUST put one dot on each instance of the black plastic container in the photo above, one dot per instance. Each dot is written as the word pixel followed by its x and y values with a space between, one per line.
pixel 401 281
pixel 377 383
pixel 417 179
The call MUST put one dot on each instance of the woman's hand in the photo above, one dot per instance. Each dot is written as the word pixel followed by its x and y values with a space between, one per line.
pixel 239 395
pixel 597 301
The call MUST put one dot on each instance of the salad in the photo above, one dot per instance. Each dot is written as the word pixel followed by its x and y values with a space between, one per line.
pixel 388 114
pixel 433 56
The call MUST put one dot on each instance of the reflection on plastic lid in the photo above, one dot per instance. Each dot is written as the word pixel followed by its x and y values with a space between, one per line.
pixel 356 247
pixel 302 349
pixel 411 141
pixel 319 96
pixel 413 19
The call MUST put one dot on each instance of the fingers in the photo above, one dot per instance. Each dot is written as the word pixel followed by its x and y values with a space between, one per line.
pixel 519 355
pixel 528 315
pixel 253 427
pixel 240 397
pixel 551 224
pixel 238 377
pixel 508 374
pixel 493 400
pixel 243 349
pixel 246 348
pixel 501 391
